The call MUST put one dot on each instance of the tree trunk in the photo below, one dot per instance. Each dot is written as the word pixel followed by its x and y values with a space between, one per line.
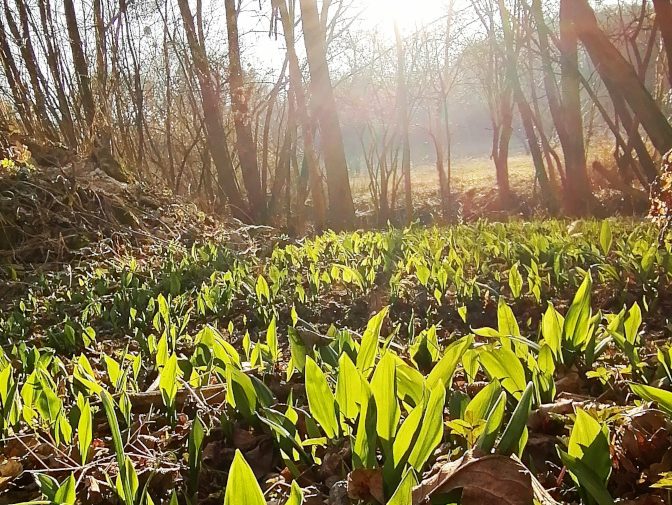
pixel 664 17
pixel 403 119
pixel 79 62
pixel 296 85
pixel 242 119
pixel 578 194
pixel 613 67
pixel 341 206
pixel 212 115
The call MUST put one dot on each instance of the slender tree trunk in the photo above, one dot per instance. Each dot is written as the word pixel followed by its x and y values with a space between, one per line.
pixel 242 119
pixel 341 207
pixel 578 194
pixel 296 85
pixel 212 115
pixel 664 17
pixel 403 127
pixel 79 62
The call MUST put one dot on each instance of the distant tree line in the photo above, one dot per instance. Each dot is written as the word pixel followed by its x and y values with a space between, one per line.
pixel 161 87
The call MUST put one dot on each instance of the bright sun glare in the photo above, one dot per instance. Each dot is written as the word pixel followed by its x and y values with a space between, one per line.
pixel 408 13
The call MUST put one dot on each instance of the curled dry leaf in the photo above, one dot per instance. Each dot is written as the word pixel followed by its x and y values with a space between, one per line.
pixel 488 480
pixel 366 484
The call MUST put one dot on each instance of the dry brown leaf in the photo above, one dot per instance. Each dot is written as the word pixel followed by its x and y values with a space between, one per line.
pixel 488 480
pixel 365 484
pixel 9 470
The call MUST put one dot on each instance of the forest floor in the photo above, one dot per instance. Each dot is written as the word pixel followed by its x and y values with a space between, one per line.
pixel 151 354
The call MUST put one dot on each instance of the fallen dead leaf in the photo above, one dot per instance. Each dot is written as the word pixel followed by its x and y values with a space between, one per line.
pixel 9 470
pixel 365 484
pixel 488 480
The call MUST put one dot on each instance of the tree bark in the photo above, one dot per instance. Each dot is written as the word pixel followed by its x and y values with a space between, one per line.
pixel 403 127
pixel 613 67
pixel 578 194
pixel 242 119
pixel 79 62
pixel 212 115
pixel 664 17
pixel 341 207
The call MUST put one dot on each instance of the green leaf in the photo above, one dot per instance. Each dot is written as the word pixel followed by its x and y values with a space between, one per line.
pixel 504 365
pixel 432 429
pixel 168 381
pixel 272 340
pixel 605 237
pixel 506 320
pixel 85 432
pixel 405 439
pixel 65 495
pixel 481 404
pixel 443 371
pixel 262 289
pixel 348 388
pixel 586 478
pixel 295 495
pixel 662 397
pixel 551 329
pixel 364 448
pixel 492 425
pixel 369 348
pixel 515 281
pixel 403 495
pixel 320 399
pixel 515 433
pixel 589 442
pixel 195 446
pixel 577 321
pixel 126 481
pixel 384 389
pixel 242 487
pixel 632 323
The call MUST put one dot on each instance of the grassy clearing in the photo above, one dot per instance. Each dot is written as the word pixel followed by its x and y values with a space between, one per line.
pixel 208 375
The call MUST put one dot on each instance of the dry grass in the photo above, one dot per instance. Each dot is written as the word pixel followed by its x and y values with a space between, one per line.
pixel 467 174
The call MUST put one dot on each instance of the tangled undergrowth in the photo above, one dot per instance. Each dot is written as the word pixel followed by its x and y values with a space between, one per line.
pixel 517 362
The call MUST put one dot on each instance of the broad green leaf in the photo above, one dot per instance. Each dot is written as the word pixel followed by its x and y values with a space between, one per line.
pixel 295 495
pixel 85 431
pixel 504 365
pixel 406 436
pixel 320 399
pixel 577 321
pixel 515 281
pixel 443 371
pixel 492 425
pixel 403 495
pixel 348 388
pixel 262 289
pixel 65 495
pixel 662 397
pixel 632 323
pixel 589 442
pixel 515 434
pixel 364 448
pixel 481 404
pixel 272 340
pixel 369 348
pixel 584 475
pixel 605 237
pixel 168 381
pixel 195 446
pixel 384 389
pixel 432 429
pixel 551 329
pixel 242 487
